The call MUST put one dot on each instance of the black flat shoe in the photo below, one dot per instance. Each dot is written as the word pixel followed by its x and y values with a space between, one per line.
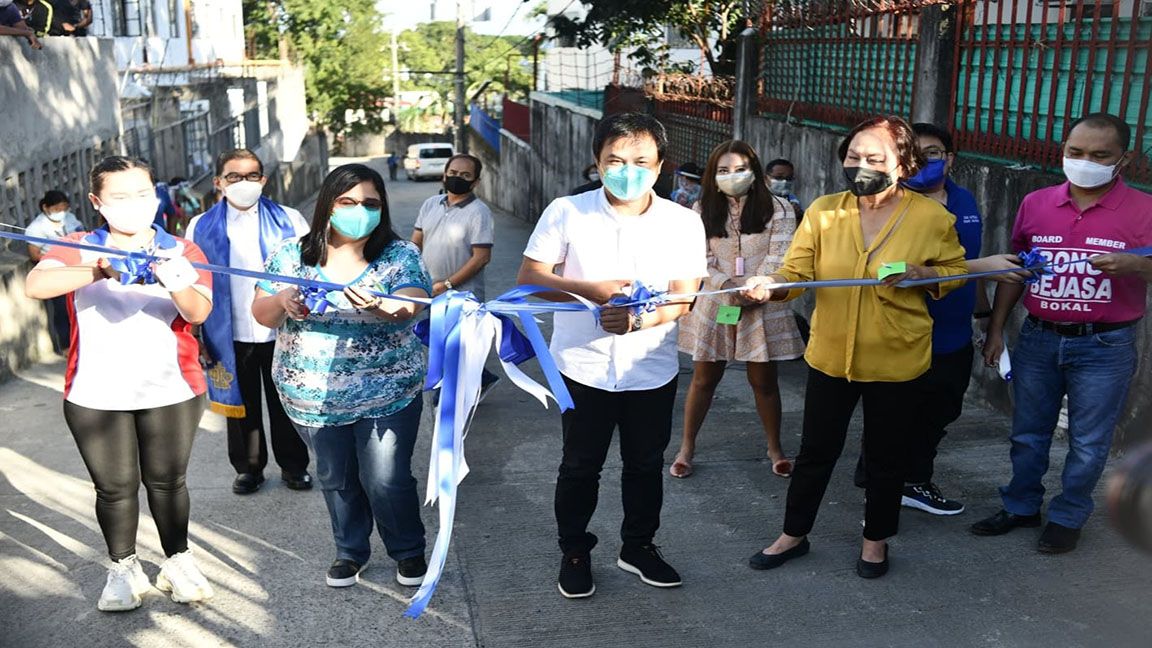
pixel 1003 522
pixel 303 481
pixel 1058 539
pixel 761 560
pixel 865 569
pixel 247 483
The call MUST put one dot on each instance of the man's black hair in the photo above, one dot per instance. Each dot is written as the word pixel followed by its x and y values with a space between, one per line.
pixel 1104 120
pixel 629 125
pixel 932 130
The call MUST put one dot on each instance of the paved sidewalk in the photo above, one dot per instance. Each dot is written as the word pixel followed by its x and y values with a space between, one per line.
pixel 266 553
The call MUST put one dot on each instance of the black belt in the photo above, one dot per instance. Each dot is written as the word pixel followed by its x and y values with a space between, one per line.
pixel 1079 330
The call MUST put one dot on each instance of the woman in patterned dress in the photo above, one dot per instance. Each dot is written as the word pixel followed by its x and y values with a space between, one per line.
pixel 748 230
pixel 350 377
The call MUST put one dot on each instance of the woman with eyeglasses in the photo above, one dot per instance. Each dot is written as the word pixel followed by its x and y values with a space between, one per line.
pixel 350 376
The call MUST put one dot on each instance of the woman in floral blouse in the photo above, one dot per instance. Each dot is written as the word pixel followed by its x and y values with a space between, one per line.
pixel 350 377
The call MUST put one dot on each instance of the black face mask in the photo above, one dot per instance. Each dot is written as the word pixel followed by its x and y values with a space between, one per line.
pixel 866 182
pixel 457 185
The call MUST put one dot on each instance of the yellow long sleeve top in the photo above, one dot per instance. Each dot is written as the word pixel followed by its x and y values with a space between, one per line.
pixel 872 333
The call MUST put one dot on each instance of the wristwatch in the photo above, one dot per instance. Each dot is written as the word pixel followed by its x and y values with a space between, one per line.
pixel 448 284
pixel 637 323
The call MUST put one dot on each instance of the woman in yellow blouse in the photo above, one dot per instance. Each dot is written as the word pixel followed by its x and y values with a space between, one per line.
pixel 869 343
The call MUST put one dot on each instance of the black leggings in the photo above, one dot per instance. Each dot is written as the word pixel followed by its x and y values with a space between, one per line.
pixel 119 448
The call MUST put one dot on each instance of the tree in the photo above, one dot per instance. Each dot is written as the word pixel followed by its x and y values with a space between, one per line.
pixel 429 51
pixel 640 24
pixel 341 46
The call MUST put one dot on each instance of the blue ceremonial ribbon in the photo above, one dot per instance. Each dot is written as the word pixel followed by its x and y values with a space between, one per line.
pixel 315 299
pixel 135 269
pixel 444 342
pixel 642 300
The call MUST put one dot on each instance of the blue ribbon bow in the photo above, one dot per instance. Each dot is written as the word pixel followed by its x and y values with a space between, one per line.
pixel 315 299
pixel 1035 261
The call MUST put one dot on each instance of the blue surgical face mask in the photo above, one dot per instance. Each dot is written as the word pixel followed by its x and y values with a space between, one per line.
pixel 628 182
pixel 929 177
pixel 355 222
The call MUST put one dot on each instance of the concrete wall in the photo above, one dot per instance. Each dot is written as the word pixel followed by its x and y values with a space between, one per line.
pixel 293 182
pixel 23 322
pixel 74 82
pixel 506 182
pixel 562 140
pixel 61 114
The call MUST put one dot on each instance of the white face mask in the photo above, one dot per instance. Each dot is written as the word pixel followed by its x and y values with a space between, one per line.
pixel 132 215
pixel 735 184
pixel 243 194
pixel 1087 174
pixel 58 216
pixel 594 177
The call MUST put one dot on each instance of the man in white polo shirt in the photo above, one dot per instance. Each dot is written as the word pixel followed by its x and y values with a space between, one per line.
pixel 622 372
pixel 241 231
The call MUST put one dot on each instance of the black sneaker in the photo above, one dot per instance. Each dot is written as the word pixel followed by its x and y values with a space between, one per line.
pixel 344 573
pixel 575 579
pixel 646 562
pixel 926 497
pixel 410 571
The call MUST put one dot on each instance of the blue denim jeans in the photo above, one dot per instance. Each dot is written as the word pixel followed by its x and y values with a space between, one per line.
pixel 365 472
pixel 1095 372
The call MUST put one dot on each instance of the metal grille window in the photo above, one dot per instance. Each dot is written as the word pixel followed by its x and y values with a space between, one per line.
pixel 1027 69
pixel 831 63
pixel 127 17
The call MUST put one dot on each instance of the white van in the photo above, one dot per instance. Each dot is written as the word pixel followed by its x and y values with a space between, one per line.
pixel 427 160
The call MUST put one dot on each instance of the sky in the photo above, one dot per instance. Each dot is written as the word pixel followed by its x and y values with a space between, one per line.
pixel 405 14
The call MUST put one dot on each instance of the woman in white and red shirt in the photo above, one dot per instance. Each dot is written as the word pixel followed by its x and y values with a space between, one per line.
pixel 134 389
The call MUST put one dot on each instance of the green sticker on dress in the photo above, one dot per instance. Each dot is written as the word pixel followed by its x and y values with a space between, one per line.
pixel 728 315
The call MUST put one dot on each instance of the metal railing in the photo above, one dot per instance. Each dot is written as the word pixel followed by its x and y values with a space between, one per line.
pixel 1027 68
pixel 836 62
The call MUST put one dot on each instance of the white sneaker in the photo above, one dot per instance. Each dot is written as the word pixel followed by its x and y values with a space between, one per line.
pixel 180 576
pixel 126 582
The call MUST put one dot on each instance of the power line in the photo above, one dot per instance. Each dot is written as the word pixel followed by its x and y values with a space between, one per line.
pixel 520 42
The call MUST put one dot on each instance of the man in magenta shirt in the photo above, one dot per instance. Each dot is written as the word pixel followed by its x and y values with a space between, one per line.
pixel 1079 337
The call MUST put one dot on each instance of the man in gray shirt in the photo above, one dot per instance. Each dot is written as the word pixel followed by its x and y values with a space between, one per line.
pixel 454 230
pixel 454 234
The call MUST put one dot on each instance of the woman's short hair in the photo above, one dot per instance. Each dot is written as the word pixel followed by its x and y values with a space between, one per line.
pixel 908 154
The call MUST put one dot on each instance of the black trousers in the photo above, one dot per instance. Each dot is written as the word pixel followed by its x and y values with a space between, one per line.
pixel 645 422
pixel 941 403
pixel 944 386
pixel 119 449
pixel 59 326
pixel 890 409
pixel 247 448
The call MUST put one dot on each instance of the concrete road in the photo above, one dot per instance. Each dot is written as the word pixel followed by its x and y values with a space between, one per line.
pixel 266 553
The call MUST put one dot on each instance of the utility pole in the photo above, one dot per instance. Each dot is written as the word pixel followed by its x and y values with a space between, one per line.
pixel 395 78
pixel 461 139
pixel 741 102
